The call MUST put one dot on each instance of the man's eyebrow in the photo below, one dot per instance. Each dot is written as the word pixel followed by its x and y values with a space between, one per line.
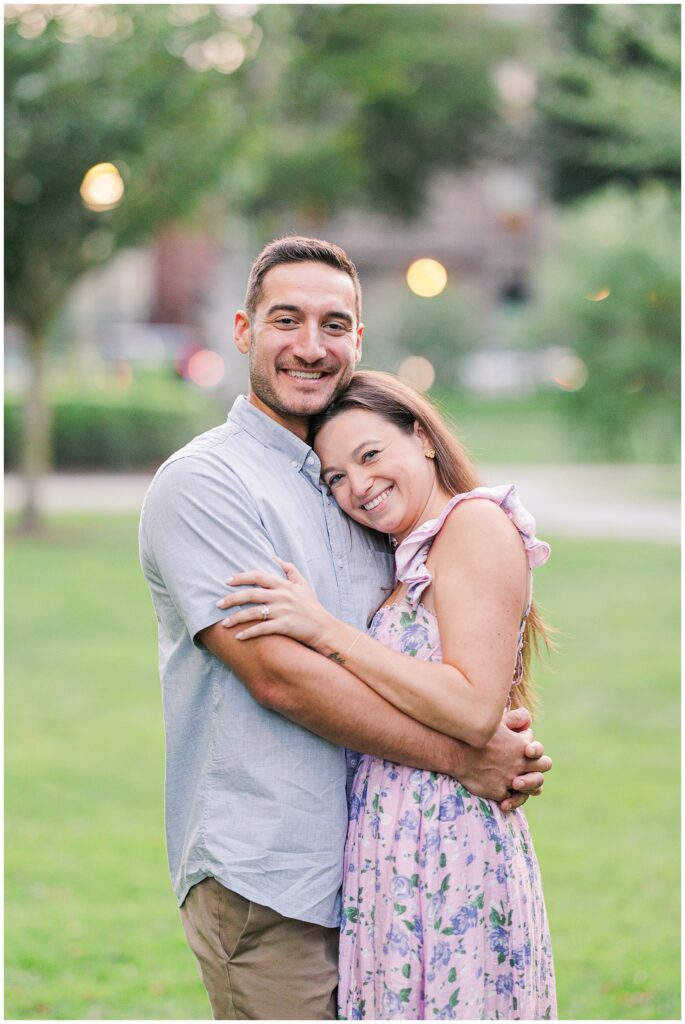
pixel 282 305
pixel 332 314
pixel 335 314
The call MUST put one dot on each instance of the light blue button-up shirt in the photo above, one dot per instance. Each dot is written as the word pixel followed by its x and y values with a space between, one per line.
pixel 251 798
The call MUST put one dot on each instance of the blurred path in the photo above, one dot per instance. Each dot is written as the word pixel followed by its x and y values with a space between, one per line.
pixel 612 502
pixel 615 502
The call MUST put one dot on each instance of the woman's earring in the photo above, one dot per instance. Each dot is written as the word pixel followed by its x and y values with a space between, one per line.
pixel 430 453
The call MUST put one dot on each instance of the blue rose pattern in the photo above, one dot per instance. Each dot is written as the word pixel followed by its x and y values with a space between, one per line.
pixel 413 639
pixel 451 807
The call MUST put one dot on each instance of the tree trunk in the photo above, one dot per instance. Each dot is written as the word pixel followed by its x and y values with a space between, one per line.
pixel 36 447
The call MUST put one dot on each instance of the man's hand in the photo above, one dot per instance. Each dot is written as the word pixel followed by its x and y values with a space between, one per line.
pixel 510 768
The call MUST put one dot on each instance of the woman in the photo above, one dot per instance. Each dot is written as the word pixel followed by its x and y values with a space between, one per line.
pixel 443 913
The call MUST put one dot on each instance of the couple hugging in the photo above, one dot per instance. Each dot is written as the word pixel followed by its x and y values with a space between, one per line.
pixel 329 577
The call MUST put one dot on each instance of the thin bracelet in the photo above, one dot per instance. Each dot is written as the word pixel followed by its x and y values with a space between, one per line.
pixel 349 650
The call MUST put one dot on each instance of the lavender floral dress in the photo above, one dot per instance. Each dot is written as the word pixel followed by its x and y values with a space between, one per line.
pixel 443 912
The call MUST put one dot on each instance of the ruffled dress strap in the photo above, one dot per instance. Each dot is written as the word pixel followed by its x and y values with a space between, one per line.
pixel 411 554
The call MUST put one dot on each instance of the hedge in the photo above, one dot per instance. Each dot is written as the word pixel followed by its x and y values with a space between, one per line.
pixel 104 430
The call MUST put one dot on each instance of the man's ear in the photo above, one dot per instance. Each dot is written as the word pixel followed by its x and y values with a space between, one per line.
pixel 241 331
pixel 358 344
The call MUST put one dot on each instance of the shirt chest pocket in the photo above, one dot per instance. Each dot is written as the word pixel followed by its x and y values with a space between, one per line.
pixel 367 578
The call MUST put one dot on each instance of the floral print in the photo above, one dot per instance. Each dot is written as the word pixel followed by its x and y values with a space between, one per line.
pixel 443 916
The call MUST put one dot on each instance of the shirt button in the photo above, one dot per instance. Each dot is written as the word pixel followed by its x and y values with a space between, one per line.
pixel 310 458
pixel 339 563
pixel 294 463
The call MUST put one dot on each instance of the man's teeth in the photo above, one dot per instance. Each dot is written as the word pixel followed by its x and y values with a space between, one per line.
pixel 376 501
pixel 304 375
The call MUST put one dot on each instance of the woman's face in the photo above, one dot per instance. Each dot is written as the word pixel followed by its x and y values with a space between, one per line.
pixel 379 474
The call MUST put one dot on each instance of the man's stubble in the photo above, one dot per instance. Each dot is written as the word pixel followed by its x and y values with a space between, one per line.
pixel 263 387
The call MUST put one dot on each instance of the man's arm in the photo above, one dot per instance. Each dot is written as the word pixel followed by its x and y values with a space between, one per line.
pixel 321 696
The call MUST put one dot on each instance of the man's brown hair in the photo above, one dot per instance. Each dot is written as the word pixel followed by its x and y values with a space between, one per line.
pixel 297 249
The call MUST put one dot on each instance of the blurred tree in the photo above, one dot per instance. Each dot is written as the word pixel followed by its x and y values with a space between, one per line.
pixel 360 103
pixel 261 109
pixel 609 96
pixel 144 87
pixel 609 292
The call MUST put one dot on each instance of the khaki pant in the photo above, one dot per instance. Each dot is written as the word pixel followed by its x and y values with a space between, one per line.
pixel 256 964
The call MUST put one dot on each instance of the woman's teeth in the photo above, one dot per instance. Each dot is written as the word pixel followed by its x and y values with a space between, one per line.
pixel 377 501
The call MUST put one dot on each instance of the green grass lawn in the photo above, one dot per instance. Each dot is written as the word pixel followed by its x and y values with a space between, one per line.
pixel 92 929
pixel 535 430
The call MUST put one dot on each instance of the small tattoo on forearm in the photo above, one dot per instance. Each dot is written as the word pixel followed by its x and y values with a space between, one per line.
pixel 337 658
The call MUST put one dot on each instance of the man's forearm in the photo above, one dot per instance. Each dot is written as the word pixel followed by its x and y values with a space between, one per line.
pixel 328 700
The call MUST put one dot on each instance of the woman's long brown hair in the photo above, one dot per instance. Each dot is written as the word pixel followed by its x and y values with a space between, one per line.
pixel 400 404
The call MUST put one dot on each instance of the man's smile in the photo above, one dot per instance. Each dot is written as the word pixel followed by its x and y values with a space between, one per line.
pixel 306 374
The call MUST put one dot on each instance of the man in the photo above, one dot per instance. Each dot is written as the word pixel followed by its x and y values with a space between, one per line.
pixel 255 784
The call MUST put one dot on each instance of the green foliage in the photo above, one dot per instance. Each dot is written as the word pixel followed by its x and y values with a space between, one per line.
pixel 610 96
pixel 364 101
pixel 92 929
pixel 105 84
pixel 627 243
pixel 114 429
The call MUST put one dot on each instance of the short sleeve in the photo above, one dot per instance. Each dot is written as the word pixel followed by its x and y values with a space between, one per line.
pixel 411 554
pixel 199 527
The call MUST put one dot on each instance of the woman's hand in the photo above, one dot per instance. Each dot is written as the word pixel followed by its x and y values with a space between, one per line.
pixel 285 606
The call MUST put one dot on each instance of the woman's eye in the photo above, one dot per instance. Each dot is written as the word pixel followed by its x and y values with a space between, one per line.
pixel 370 454
pixel 333 480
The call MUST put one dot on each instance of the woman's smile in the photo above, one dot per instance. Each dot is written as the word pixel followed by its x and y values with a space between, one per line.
pixel 378 501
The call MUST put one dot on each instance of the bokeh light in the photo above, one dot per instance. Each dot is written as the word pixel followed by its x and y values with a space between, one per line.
pixel 206 368
pixel 599 296
pixel 31 23
pixel 569 372
pixel 515 83
pixel 417 371
pixel 222 52
pixel 102 187
pixel 426 278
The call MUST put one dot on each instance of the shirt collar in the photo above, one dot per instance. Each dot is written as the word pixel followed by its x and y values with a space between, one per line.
pixel 275 436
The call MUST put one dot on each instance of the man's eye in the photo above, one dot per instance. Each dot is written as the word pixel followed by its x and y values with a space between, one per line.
pixel 287 321
pixel 335 326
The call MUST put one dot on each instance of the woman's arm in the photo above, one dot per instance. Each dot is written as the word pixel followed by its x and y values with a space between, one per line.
pixel 480 578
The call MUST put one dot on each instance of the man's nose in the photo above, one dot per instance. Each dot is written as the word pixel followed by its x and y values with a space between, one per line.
pixel 310 344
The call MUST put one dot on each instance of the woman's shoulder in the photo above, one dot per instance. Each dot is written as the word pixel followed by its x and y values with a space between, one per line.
pixel 491 516
pixel 476 524
pixel 472 529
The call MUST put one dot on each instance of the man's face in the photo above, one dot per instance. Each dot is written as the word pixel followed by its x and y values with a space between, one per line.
pixel 303 341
